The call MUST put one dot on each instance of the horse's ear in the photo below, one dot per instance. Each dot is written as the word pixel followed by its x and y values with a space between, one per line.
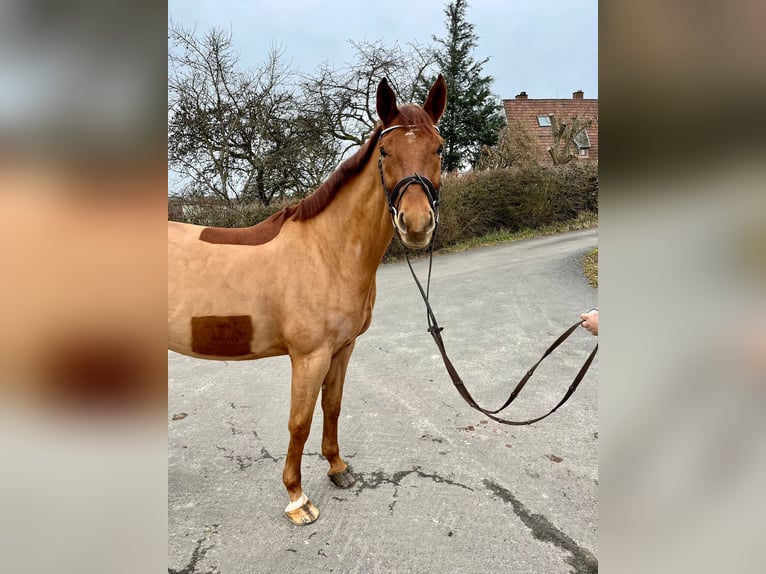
pixel 386 103
pixel 436 101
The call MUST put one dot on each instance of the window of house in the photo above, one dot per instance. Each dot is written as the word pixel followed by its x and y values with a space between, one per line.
pixel 581 140
pixel 584 152
pixel 543 121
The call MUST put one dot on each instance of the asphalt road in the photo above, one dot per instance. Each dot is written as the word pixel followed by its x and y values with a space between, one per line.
pixel 441 488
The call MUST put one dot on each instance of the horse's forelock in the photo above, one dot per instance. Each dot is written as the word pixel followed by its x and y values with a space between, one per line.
pixel 411 115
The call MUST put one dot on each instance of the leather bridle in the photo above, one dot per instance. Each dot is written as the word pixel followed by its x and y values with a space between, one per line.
pixel 394 197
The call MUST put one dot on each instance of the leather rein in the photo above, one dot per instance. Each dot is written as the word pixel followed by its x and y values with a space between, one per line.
pixel 393 196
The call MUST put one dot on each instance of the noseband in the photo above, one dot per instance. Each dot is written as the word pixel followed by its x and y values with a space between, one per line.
pixel 394 196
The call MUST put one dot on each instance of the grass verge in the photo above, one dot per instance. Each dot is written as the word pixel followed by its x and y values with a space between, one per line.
pixel 590 267
pixel 582 221
pixel 585 220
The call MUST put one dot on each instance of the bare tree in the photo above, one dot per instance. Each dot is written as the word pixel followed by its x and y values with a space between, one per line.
pixel 345 97
pixel 566 134
pixel 517 146
pixel 236 134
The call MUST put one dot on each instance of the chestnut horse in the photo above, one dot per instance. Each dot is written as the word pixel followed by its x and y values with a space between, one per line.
pixel 302 283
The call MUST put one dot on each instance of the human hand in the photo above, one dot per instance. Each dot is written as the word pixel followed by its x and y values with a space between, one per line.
pixel 590 321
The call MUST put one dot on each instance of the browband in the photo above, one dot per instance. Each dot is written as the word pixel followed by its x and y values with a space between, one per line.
pixel 385 131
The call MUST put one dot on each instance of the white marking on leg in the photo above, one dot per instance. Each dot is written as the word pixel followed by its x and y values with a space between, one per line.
pixel 297 504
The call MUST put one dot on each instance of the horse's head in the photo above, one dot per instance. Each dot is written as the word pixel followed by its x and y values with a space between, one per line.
pixel 410 161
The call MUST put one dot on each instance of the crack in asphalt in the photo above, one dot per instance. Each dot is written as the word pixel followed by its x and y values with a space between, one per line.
pixel 236 431
pixel 581 559
pixel 379 478
pixel 246 461
pixel 266 455
pixel 393 502
pixel 198 554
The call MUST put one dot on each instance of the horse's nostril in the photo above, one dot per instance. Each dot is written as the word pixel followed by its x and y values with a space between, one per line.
pixel 402 224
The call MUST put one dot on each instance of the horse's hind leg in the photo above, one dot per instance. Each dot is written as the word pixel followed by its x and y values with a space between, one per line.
pixel 308 373
pixel 332 394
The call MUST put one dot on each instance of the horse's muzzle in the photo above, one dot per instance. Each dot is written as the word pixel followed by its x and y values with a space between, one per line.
pixel 416 231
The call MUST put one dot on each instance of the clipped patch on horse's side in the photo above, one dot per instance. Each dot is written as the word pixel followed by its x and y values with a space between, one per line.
pixel 227 336
pixel 258 234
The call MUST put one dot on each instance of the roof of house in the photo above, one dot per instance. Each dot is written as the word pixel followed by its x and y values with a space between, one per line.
pixel 527 110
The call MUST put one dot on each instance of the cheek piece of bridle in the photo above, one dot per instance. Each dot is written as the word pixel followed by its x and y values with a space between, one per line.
pixel 394 197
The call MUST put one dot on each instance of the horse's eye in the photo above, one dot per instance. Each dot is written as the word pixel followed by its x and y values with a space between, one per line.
pixel 383 152
pixel 440 151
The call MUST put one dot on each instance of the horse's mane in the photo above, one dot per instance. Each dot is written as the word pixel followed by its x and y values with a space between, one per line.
pixel 325 193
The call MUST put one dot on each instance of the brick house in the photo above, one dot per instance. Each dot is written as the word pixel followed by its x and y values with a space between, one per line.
pixel 536 114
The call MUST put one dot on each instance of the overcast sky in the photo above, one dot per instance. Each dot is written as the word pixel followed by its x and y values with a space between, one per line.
pixel 548 48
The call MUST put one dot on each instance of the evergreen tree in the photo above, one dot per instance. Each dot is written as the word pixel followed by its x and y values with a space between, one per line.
pixel 472 118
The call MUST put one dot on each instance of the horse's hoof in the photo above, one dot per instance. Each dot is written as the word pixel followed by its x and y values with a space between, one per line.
pixel 302 511
pixel 343 479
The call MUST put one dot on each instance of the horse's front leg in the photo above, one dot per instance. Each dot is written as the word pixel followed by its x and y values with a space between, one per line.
pixel 308 373
pixel 332 394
